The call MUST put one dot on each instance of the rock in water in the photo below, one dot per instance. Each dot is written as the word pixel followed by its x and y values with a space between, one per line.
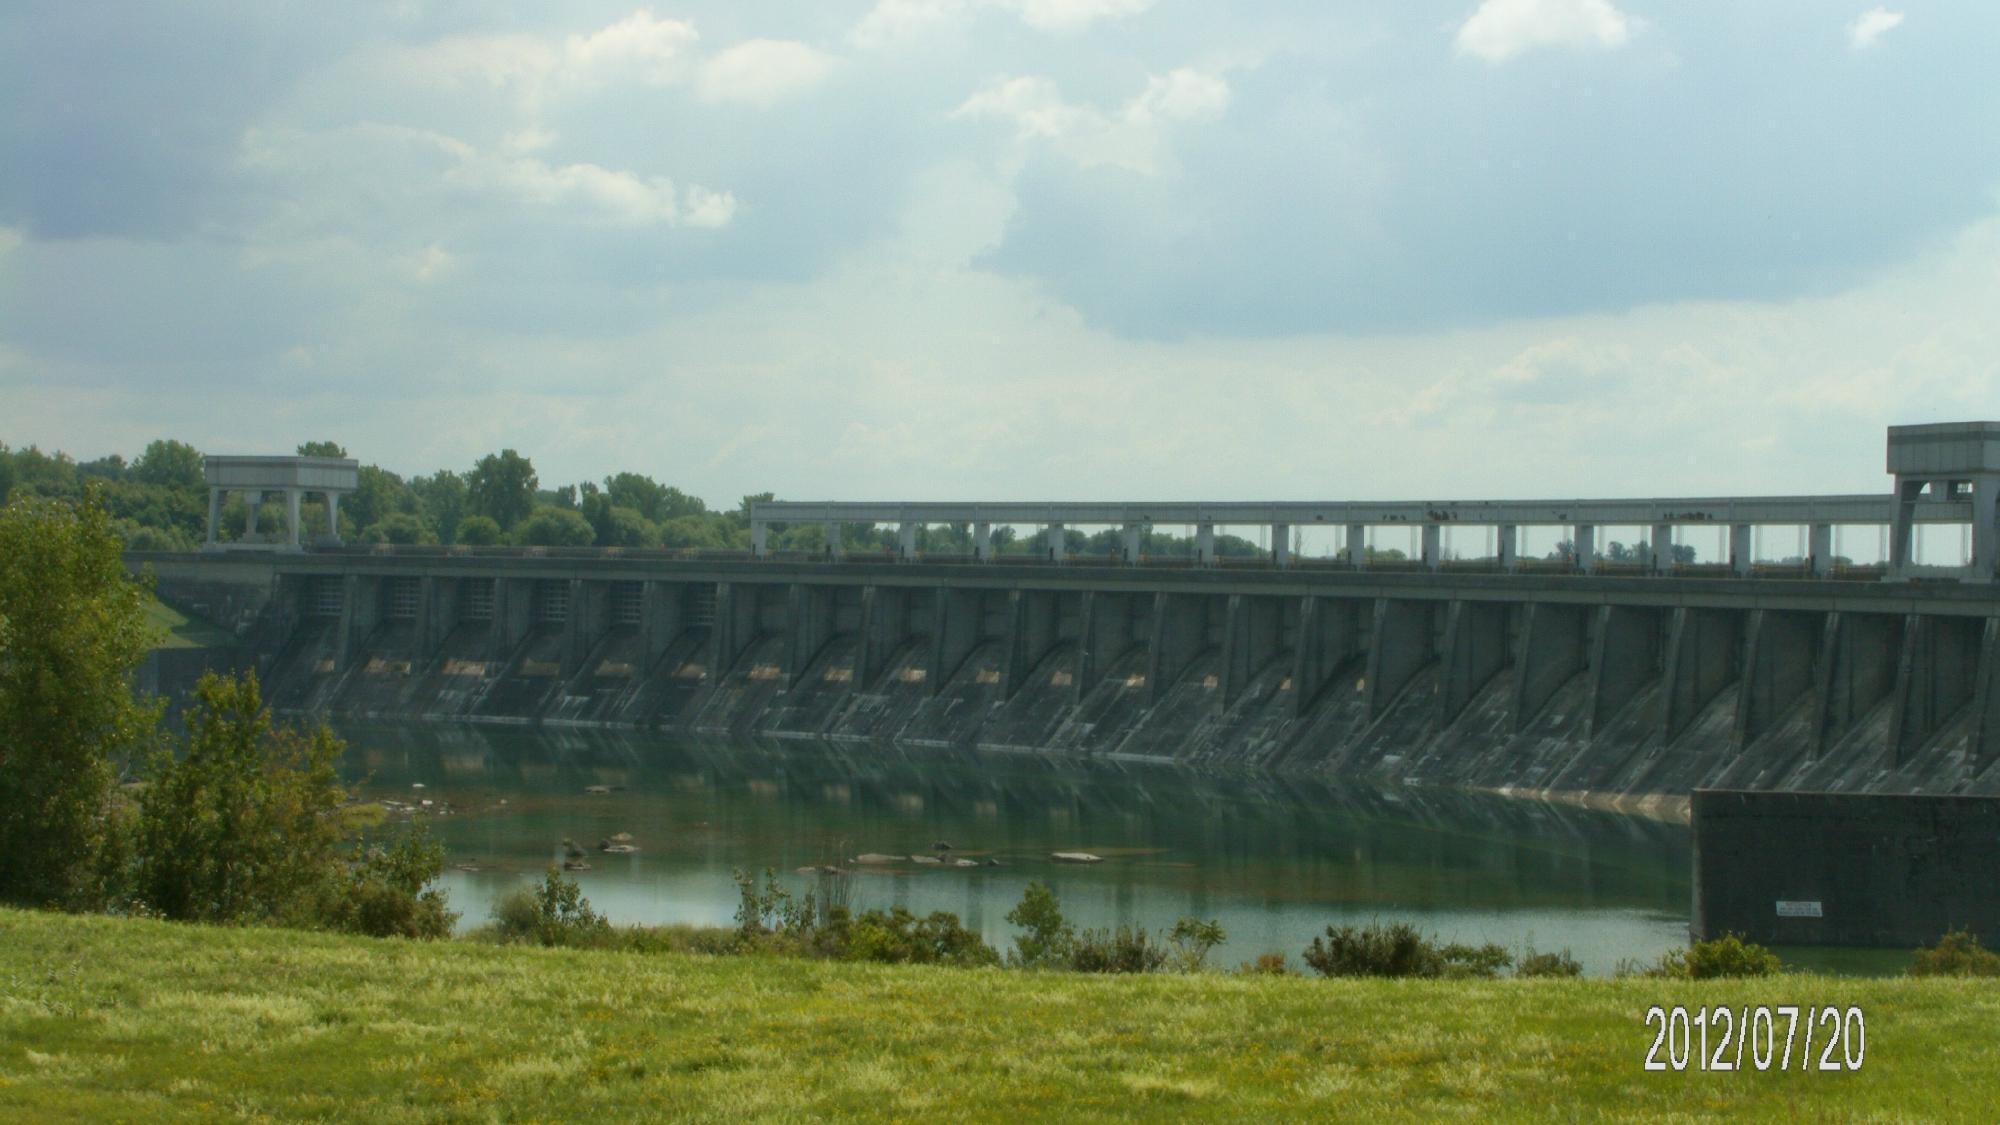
pixel 876 857
pixel 1075 857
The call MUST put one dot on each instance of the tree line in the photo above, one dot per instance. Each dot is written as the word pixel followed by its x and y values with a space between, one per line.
pixel 158 501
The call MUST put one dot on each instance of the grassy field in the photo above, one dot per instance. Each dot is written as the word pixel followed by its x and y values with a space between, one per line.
pixel 105 1019
pixel 174 629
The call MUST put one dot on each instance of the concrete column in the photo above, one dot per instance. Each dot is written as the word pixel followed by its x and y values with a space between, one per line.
pixel 214 512
pixel 834 548
pixel 1509 547
pixel 1662 548
pixel 907 541
pixel 1430 537
pixel 1740 548
pixel 292 516
pixel 1585 541
pixel 1357 545
pixel 1053 546
pixel 1204 544
pixel 1135 540
pixel 1281 545
pixel 1399 646
pixel 251 502
pixel 758 531
pixel 333 516
pixel 1819 548
pixel 1903 522
pixel 1985 533
pixel 982 541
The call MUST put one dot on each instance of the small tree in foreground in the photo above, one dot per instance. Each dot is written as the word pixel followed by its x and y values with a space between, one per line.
pixel 75 629
pixel 1049 936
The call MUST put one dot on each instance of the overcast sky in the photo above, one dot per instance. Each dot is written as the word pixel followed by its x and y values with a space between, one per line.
pixel 970 249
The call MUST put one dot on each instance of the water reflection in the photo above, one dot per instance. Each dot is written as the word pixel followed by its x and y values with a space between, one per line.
pixel 1276 858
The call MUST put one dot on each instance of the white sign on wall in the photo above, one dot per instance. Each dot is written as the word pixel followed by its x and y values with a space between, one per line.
pixel 1798 909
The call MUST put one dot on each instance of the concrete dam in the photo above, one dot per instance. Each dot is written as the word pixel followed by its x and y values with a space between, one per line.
pixel 1574 680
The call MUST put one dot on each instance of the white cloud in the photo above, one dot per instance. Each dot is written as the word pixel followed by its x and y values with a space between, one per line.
pixel 9 239
pixel 762 72
pixel 641 45
pixel 372 162
pixel 1871 26
pixel 1130 137
pixel 897 22
pixel 1502 29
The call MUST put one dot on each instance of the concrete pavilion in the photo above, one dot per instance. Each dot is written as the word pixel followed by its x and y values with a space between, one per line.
pixel 256 477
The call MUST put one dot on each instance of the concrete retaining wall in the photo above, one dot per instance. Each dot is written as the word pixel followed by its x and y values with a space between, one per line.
pixel 1845 869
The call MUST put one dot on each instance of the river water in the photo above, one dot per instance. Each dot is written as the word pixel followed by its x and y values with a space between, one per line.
pixel 1275 859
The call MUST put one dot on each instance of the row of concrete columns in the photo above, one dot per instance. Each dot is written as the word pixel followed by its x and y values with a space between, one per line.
pixel 254 499
pixel 1659 555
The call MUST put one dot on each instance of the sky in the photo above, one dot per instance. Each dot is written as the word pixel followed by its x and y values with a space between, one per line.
pixel 1010 249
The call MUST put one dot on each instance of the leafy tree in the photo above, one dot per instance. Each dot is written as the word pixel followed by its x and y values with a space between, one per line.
pixel 1049 936
pixel 554 913
pixel 627 528
pixel 75 631
pixel 173 464
pixel 322 449
pixel 502 488
pixel 383 893
pixel 6 473
pixel 377 495
pixel 111 468
pixel 244 827
pixel 445 501
pixel 692 532
pixel 555 527
pixel 642 494
pixel 478 531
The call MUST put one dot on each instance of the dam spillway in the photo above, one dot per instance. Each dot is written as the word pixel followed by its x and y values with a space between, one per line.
pixel 1618 687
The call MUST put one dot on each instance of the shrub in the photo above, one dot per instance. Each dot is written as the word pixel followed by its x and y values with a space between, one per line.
pixel 1267 964
pixel 383 894
pixel 1123 950
pixel 1561 964
pixel 1374 950
pixel 901 937
pixel 554 527
pixel 1957 954
pixel 1481 961
pixel 554 913
pixel 772 908
pixel 1726 956
pixel 1192 939
pixel 477 531
pixel 245 826
pixel 1049 935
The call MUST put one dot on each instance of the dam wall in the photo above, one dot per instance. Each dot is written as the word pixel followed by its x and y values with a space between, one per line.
pixel 1623 689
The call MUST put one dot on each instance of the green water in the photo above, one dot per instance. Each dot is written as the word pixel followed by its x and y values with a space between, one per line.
pixel 1276 859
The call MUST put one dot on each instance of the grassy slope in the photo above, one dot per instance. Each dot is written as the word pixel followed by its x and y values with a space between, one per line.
pixel 107 1019
pixel 175 629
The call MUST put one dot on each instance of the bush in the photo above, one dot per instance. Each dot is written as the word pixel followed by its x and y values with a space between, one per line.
pixel 1375 950
pixel 245 825
pixel 900 937
pixel 554 527
pixel 1192 939
pixel 383 894
pixel 554 913
pixel 1957 954
pixel 1726 956
pixel 1399 950
pixel 1050 936
pixel 1267 964
pixel 477 531
pixel 1123 950
pixel 1533 964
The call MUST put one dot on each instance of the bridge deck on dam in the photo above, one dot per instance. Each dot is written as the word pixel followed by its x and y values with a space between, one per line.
pixel 1588 684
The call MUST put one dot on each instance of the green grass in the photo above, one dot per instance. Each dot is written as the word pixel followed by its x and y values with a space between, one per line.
pixel 174 629
pixel 108 1019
